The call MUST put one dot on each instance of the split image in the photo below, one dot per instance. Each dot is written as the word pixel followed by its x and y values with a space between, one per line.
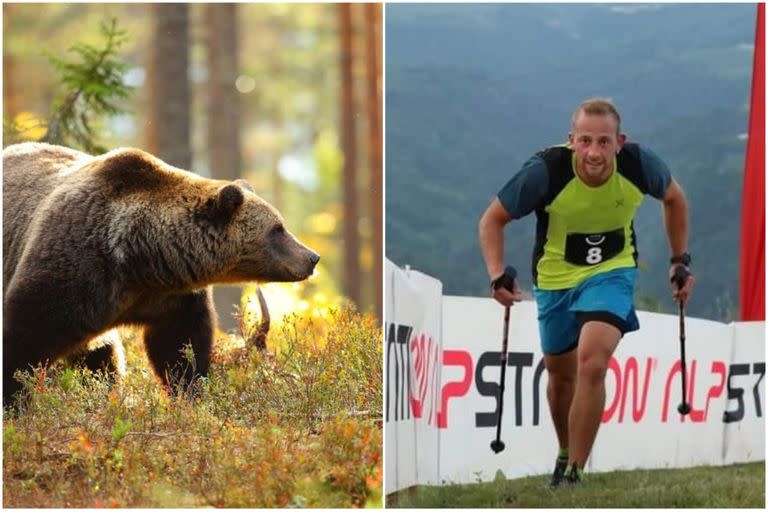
pixel 383 255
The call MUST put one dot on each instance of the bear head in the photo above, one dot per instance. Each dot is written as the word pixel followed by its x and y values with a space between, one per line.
pixel 266 250
pixel 185 231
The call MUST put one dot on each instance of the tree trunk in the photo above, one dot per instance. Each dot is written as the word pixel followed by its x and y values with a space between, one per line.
pixel 169 90
pixel 373 17
pixel 223 127
pixel 351 259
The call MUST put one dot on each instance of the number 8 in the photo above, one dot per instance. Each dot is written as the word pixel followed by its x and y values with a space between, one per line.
pixel 594 255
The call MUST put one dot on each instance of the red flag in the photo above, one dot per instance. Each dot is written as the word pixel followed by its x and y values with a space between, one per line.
pixel 752 268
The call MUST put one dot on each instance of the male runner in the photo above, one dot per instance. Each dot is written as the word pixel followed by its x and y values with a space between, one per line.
pixel 585 195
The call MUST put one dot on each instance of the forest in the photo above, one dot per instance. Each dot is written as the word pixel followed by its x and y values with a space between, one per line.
pixel 287 97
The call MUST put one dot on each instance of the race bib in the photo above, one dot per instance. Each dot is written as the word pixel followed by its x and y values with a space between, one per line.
pixel 593 248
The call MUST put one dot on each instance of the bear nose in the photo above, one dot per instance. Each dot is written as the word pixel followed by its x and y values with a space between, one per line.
pixel 314 258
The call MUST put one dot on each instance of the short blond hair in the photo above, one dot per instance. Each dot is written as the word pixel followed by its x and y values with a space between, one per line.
pixel 598 107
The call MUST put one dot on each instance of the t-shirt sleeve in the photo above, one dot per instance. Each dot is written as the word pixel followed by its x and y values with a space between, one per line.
pixel 655 171
pixel 526 190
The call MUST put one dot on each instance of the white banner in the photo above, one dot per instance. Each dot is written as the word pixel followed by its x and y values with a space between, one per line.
pixel 413 364
pixel 640 428
pixel 745 394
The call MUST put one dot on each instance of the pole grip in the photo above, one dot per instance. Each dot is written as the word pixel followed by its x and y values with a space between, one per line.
pixel 505 280
pixel 680 276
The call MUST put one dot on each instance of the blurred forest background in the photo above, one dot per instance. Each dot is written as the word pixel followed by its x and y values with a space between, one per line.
pixel 286 96
pixel 474 90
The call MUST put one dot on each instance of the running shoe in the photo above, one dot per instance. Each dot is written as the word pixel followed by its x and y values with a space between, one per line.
pixel 559 473
pixel 572 477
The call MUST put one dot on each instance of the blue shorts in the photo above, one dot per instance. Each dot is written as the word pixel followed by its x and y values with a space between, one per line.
pixel 605 297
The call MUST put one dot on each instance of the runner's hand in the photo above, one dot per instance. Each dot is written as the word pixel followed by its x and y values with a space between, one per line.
pixel 506 297
pixel 684 293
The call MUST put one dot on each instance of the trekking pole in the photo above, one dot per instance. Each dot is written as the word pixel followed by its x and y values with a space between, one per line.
pixel 680 276
pixel 497 445
pixel 506 280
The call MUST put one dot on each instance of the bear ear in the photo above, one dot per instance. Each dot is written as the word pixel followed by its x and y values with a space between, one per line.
pixel 228 200
pixel 245 185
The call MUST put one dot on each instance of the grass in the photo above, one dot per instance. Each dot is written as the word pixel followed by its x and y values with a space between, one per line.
pixel 736 486
pixel 295 426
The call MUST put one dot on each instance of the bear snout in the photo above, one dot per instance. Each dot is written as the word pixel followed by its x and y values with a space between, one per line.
pixel 312 262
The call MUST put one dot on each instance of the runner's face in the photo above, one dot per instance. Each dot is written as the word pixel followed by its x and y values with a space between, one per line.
pixel 596 141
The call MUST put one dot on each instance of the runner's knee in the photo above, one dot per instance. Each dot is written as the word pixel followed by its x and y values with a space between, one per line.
pixel 561 380
pixel 561 370
pixel 593 365
pixel 560 387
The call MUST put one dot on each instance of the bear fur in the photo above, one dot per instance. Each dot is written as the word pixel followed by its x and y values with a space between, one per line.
pixel 94 242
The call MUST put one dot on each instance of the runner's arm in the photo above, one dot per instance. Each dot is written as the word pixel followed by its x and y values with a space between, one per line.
pixel 659 183
pixel 521 195
pixel 491 235
pixel 676 218
pixel 676 224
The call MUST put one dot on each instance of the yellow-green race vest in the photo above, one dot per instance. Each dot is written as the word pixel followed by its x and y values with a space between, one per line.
pixel 582 231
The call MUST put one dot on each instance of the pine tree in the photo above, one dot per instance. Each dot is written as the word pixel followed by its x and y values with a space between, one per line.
pixel 90 90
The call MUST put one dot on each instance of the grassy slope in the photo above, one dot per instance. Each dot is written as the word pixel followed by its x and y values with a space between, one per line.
pixel 737 486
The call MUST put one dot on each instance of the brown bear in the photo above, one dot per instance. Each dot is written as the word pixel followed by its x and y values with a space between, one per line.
pixel 95 242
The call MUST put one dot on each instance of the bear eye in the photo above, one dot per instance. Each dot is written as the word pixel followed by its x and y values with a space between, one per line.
pixel 277 230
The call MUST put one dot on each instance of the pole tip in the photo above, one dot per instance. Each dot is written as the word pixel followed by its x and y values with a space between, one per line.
pixel 497 446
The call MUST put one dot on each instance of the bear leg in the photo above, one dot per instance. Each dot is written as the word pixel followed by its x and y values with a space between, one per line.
pixel 182 320
pixel 39 348
pixel 99 359
pixel 104 353
pixel 10 385
pixel 46 316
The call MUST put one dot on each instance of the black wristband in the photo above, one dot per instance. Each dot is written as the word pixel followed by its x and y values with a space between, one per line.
pixel 684 259
pixel 505 280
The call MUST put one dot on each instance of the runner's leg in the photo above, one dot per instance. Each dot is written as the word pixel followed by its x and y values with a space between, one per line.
pixel 561 371
pixel 597 342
